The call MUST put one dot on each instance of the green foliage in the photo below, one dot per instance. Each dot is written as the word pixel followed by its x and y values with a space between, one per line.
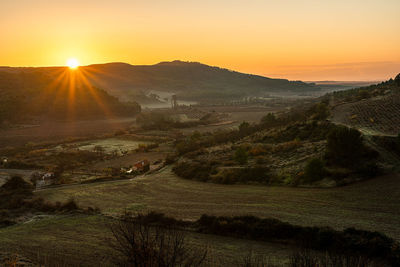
pixel 269 119
pixel 244 127
pixel 314 170
pixel 14 192
pixel 241 155
pixel 345 146
pixel 320 112
pixel 242 175
pixel 200 171
pixel 373 245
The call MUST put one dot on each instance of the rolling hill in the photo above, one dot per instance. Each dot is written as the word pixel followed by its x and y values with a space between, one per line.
pixel 55 93
pixel 373 109
pixel 189 80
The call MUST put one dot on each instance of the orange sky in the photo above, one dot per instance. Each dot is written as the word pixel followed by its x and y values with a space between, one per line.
pixel 303 39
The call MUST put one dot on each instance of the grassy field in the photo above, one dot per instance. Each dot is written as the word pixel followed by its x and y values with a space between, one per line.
pixel 370 205
pixel 83 240
pixel 58 131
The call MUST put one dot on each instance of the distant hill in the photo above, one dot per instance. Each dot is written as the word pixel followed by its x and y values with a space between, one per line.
pixel 56 93
pixel 189 80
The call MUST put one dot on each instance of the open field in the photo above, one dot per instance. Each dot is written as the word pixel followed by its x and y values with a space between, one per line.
pixel 128 160
pixel 83 240
pixel 57 131
pixel 370 205
pixel 107 145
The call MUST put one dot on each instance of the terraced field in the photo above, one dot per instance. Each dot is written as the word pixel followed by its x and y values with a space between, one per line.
pixel 375 116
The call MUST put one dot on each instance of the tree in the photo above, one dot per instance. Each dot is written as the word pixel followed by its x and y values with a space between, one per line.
pixel 314 170
pixel 244 127
pixel 269 119
pixel 241 155
pixel 321 112
pixel 344 147
pixel 138 242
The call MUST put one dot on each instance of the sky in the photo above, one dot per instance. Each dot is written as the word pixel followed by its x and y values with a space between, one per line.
pixel 296 39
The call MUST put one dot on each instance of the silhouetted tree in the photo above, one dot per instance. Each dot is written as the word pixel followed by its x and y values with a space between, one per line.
pixel 345 146
pixel 138 243
pixel 241 155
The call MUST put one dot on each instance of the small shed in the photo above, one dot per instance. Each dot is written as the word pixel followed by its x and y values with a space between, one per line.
pixel 142 165
pixel 45 180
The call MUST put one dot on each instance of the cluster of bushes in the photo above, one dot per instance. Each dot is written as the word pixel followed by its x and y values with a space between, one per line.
pixel 256 174
pixel 349 241
pixel 17 198
pixel 152 240
pixel 307 258
pixel 195 170
pixel 162 121
pixel 146 147
pixel 301 129
pixel 338 248
pixel 345 148
pixel 312 131
pixel 209 172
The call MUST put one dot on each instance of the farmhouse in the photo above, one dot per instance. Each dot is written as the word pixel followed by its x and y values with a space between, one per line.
pixel 142 166
pixel 45 180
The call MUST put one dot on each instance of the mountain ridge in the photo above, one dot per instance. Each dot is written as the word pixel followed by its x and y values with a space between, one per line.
pixel 189 80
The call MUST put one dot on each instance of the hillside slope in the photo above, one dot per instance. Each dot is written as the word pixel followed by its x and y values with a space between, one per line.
pixel 56 93
pixel 374 109
pixel 189 80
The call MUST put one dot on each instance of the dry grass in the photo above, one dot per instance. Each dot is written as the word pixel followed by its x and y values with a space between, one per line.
pixel 81 240
pixel 58 131
pixel 370 205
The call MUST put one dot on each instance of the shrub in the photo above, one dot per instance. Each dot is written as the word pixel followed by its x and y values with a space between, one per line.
pixel 269 120
pixel 241 155
pixel 194 170
pixel 345 147
pixel 257 150
pixel 14 192
pixel 242 175
pixel 358 243
pixel 138 242
pixel 314 170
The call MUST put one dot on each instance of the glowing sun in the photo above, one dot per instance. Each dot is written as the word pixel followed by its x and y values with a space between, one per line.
pixel 72 63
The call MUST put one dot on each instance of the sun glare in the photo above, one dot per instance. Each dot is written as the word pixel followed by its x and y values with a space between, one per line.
pixel 72 63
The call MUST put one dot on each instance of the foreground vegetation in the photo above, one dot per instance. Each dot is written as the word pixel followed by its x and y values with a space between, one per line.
pixel 297 148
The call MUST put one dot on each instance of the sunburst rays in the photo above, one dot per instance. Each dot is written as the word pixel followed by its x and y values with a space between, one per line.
pixel 73 86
